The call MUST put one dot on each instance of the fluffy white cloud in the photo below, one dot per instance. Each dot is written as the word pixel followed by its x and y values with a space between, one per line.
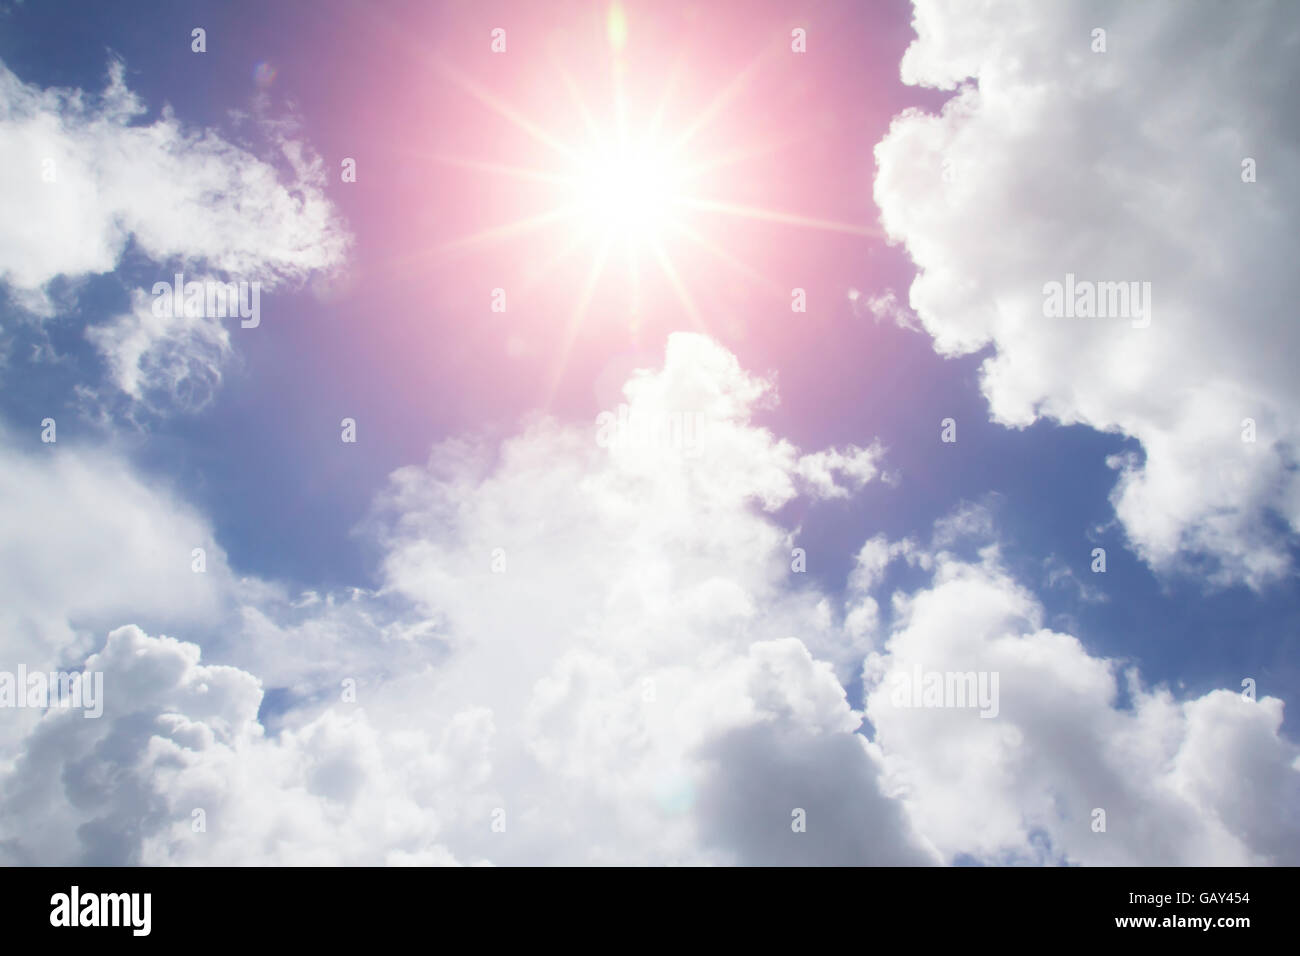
pixel 180 771
pixel 1196 782
pixel 637 651
pixel 86 543
pixel 640 636
pixel 606 649
pixel 85 175
pixel 1123 165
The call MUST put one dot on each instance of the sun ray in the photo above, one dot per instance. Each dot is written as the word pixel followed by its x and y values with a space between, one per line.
pixel 505 231
pixel 501 169
pixel 616 33
pixel 744 154
pixel 503 109
pixel 736 263
pixel 575 96
pixel 535 274
pixel 769 215
pixel 510 230
pixel 576 319
pixel 670 86
pixel 719 102
pixel 683 295
pixel 634 282
pixel 620 102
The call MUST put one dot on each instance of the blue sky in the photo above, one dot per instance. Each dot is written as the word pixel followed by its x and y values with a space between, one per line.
pixel 308 535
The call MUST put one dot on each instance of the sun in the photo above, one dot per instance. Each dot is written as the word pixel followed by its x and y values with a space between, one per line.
pixel 631 190
pixel 629 193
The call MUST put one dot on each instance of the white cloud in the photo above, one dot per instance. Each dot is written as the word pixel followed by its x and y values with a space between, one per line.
pixel 1120 166
pixel 163 361
pixel 885 305
pixel 823 469
pixel 642 681
pixel 183 737
pixel 1196 782
pixel 644 631
pixel 602 691
pixel 86 175
pixel 180 193
pixel 86 543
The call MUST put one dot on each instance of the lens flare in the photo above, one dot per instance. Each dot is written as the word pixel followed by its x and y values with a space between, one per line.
pixel 623 185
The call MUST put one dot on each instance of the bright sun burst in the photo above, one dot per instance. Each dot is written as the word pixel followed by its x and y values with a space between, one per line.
pixel 626 191
pixel 629 192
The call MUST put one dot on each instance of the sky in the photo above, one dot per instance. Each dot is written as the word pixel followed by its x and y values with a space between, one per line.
pixel 644 406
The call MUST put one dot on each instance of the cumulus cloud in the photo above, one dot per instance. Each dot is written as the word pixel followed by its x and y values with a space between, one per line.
pixel 640 623
pixel 584 653
pixel 1069 735
pixel 87 542
pixel 599 638
pixel 1120 166
pixel 181 772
